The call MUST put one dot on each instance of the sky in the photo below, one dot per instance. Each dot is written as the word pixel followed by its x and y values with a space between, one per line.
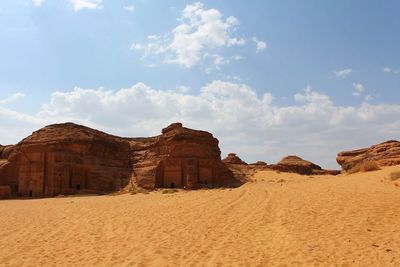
pixel 267 78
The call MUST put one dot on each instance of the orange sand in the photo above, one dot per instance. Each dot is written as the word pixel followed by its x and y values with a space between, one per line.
pixel 347 220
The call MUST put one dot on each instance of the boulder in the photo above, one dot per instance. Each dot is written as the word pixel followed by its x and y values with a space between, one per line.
pixel 384 154
pixel 298 165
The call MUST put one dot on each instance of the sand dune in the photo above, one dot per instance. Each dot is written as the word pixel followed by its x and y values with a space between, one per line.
pixel 279 219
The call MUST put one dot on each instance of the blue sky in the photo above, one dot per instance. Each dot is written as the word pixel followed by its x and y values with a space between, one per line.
pixel 268 78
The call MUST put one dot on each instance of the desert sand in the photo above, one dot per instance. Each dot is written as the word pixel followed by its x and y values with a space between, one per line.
pixel 278 219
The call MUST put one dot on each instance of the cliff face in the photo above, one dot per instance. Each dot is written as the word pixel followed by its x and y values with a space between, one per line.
pixel 68 159
pixel 384 154
pixel 8 171
pixel 240 169
pixel 179 157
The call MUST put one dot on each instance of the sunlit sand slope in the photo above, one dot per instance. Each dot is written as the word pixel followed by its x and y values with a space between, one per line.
pixel 279 219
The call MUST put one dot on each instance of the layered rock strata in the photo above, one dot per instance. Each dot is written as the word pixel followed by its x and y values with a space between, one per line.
pixel 69 158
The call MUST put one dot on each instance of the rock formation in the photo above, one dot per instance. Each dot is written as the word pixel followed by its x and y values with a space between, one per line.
pixel 179 157
pixel 384 154
pixel 298 165
pixel 239 168
pixel 8 171
pixel 259 164
pixel 69 158
pixel 232 158
pixel 66 159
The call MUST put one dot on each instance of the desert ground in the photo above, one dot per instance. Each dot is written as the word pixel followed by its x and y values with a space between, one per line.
pixel 278 219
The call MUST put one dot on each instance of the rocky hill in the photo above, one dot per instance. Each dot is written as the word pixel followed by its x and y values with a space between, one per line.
pixel 384 154
pixel 298 165
pixel 68 158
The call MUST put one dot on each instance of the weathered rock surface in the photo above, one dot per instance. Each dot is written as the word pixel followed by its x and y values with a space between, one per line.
pixel 298 165
pixel 259 164
pixel 5 192
pixel 384 154
pixel 179 157
pixel 69 158
pixel 8 171
pixel 232 158
pixel 239 168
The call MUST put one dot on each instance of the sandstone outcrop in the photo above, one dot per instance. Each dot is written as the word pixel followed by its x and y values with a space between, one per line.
pixel 179 157
pixel 232 158
pixel 5 192
pixel 384 154
pixel 259 164
pixel 298 165
pixel 239 168
pixel 69 158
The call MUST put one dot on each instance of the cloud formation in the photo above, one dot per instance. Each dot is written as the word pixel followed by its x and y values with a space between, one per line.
pixel 244 122
pixel 387 69
pixel 200 32
pixel 11 98
pixel 341 74
pixel 260 45
pixel 86 4
pixel 38 3
pixel 129 8
pixel 390 70
pixel 358 89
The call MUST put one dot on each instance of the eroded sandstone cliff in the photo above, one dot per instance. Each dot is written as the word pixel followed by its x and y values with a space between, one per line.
pixel 179 157
pixel 69 158
pixel 384 154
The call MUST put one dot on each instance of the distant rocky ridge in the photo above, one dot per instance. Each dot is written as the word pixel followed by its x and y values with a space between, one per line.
pixel 298 165
pixel 68 158
pixel 384 154
pixel 292 164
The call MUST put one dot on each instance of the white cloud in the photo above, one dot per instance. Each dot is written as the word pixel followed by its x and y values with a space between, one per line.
pixel 358 89
pixel 244 122
pixel 38 3
pixel 341 74
pixel 183 89
pixel 260 45
pixel 86 4
pixel 233 78
pixel 152 65
pixel 387 69
pixel 219 61
pixel 136 46
pixel 129 8
pixel 368 98
pixel 199 32
pixel 11 98
pixel 15 125
pixel 238 57
pixel 153 37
